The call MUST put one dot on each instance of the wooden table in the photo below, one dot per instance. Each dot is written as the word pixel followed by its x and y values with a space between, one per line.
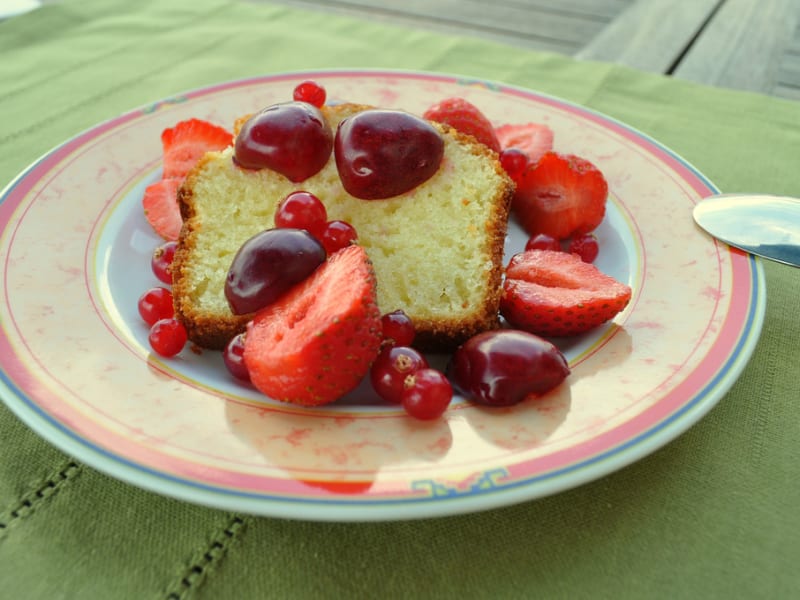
pixel 742 44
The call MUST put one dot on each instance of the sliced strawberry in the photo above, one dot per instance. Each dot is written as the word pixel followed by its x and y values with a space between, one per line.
pixel 160 204
pixel 316 343
pixel 183 145
pixel 534 139
pixel 561 196
pixel 187 141
pixel 466 118
pixel 553 293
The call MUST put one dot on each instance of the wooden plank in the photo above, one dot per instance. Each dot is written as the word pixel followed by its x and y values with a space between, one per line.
pixel 516 19
pixel 651 35
pixel 788 82
pixel 789 67
pixel 605 10
pixel 517 22
pixel 743 45
pixel 788 92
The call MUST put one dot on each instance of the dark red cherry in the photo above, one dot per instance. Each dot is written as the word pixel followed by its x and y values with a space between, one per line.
pixel 382 153
pixel 503 367
pixel 267 265
pixel 292 138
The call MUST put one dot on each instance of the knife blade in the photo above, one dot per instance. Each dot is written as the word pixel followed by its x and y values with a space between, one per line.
pixel 761 224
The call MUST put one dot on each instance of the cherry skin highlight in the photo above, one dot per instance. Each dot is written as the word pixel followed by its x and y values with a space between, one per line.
pixel 267 265
pixel 383 153
pixel 503 367
pixel 292 138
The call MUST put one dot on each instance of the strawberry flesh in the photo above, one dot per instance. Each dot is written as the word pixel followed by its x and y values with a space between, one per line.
pixel 466 118
pixel 553 293
pixel 160 203
pixel 182 146
pixel 561 196
pixel 316 343
pixel 186 142
pixel 534 139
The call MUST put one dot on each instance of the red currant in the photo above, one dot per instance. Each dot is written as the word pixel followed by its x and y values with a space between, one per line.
pixel 542 241
pixel 338 235
pixel 302 210
pixel 156 304
pixel 233 357
pixel 514 161
pixel 311 92
pixel 161 262
pixel 398 328
pixel 585 246
pixel 167 337
pixel 426 394
pixel 390 369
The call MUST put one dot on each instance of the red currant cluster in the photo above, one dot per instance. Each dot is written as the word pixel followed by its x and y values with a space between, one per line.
pixel 167 335
pixel 303 210
pixel 401 374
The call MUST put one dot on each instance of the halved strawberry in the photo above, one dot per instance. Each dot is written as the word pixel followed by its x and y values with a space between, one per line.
pixel 553 293
pixel 534 139
pixel 561 196
pixel 160 204
pixel 187 141
pixel 466 118
pixel 316 343
pixel 183 145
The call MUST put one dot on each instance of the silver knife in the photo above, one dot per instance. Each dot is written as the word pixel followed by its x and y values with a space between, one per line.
pixel 764 225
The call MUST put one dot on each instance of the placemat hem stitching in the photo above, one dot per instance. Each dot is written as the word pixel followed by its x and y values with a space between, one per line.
pixel 28 502
pixel 197 572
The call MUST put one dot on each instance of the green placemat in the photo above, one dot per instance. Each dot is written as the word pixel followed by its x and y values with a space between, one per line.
pixel 712 515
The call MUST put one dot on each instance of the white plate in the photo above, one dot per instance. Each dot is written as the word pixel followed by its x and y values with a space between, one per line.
pixel 76 365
